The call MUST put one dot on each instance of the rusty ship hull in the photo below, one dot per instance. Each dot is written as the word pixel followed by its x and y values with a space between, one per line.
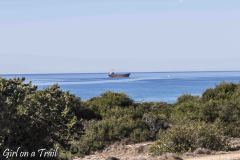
pixel 118 75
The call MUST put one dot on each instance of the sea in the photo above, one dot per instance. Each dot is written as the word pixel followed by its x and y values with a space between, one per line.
pixel 140 86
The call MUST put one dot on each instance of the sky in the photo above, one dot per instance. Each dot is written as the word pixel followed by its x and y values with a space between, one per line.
pixel 75 36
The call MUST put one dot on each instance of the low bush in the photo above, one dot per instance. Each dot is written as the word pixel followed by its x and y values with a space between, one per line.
pixel 187 98
pixel 220 92
pixel 155 123
pixel 108 100
pixel 188 137
pixel 102 133
pixel 34 119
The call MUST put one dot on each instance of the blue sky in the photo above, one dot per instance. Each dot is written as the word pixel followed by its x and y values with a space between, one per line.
pixel 54 36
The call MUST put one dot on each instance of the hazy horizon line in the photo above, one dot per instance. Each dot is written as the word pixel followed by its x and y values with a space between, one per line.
pixel 184 71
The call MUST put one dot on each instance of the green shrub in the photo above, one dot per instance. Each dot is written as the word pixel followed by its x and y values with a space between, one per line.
pixel 212 137
pixel 221 103
pixel 139 135
pixel 230 112
pixel 112 99
pixel 13 92
pixel 100 105
pixel 93 139
pixel 187 98
pixel 188 137
pixel 230 129
pixel 33 119
pixel 155 123
pixel 221 91
pixel 210 111
pixel 188 110
pixel 101 133
pixel 226 113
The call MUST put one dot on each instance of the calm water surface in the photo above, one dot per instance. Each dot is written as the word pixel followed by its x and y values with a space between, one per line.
pixel 140 86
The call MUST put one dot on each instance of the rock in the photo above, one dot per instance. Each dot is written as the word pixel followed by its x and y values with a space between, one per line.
pixel 189 154
pixel 139 158
pixel 140 149
pixel 234 144
pixel 202 151
pixel 170 156
pixel 112 158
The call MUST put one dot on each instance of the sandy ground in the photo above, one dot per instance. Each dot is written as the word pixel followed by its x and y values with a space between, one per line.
pixel 223 156
pixel 140 152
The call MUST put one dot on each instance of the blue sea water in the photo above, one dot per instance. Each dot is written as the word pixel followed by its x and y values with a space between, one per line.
pixel 162 86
